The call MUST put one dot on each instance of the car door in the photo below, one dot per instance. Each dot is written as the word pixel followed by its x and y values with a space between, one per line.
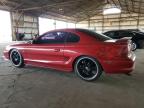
pixel 47 50
pixel 71 48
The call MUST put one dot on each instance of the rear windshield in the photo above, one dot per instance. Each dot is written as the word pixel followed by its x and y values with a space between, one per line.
pixel 98 36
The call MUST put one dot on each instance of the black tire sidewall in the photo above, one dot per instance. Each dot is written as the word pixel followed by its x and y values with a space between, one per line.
pixel 99 69
pixel 136 45
pixel 21 64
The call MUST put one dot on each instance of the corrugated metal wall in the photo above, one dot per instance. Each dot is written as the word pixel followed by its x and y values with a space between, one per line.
pixel 113 22
pixel 26 24
pixel 30 24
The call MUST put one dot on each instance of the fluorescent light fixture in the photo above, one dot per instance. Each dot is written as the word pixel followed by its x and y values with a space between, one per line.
pixel 111 9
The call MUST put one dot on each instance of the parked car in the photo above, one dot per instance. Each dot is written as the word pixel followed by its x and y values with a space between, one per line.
pixel 137 36
pixel 83 51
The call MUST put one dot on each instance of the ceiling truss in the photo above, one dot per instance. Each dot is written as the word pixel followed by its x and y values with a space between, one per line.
pixel 75 10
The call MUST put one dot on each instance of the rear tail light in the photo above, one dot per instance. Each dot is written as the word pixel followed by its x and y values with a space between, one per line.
pixel 130 45
pixel 126 51
pixel 129 48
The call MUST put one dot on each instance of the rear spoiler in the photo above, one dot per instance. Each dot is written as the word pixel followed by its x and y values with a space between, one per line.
pixel 128 38
pixel 119 40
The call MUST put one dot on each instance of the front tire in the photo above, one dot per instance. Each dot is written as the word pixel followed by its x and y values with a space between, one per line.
pixel 88 68
pixel 16 58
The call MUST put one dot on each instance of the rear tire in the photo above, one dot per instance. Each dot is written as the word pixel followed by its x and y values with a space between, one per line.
pixel 88 68
pixel 134 45
pixel 16 58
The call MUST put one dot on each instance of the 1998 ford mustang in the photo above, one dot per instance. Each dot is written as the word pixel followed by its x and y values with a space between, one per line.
pixel 83 51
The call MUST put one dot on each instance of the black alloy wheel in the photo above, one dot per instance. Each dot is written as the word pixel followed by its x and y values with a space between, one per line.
pixel 16 58
pixel 88 68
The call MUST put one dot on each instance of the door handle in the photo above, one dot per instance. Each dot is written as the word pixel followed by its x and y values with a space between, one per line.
pixel 56 50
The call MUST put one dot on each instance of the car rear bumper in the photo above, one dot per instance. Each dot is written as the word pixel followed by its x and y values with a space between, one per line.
pixel 120 66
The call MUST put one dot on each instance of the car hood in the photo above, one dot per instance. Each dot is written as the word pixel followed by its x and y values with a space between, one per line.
pixel 17 44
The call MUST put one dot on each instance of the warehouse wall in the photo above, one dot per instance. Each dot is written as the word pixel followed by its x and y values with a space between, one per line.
pixel 113 22
pixel 22 23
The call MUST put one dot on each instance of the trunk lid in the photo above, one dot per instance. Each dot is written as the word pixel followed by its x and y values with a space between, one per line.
pixel 119 48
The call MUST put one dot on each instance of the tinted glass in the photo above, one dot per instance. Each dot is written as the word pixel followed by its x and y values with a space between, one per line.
pixel 72 37
pixel 126 34
pixel 50 38
pixel 110 34
pixel 113 34
pixel 98 36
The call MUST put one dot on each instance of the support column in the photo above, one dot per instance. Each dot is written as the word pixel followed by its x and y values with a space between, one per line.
pixel 89 23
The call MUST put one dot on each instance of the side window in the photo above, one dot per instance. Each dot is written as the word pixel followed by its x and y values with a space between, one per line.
pixel 61 36
pixel 116 35
pixel 126 34
pixel 71 37
pixel 52 38
pixel 113 34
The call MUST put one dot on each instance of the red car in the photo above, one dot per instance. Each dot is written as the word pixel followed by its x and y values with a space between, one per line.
pixel 83 51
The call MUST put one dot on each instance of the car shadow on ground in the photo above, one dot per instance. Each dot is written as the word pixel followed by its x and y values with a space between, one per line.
pixel 117 80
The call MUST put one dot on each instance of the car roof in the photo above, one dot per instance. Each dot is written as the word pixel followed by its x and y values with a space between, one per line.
pixel 67 30
pixel 131 30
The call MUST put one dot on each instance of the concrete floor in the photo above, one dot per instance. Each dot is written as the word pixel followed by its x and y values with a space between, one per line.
pixel 32 87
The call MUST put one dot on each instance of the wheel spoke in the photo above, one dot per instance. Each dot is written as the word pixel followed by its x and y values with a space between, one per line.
pixel 15 58
pixel 87 68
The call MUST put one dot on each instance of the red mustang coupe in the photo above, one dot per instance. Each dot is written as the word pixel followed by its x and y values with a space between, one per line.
pixel 83 51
